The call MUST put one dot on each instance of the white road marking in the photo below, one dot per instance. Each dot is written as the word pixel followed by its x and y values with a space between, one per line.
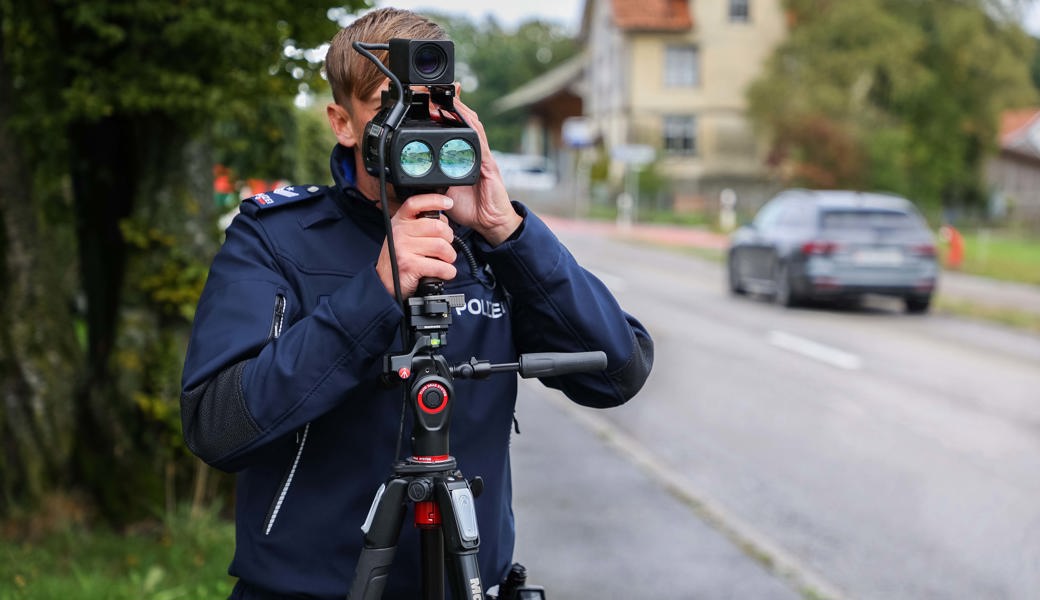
pixel 815 350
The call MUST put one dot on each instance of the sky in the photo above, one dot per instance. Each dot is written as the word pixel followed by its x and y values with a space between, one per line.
pixel 1032 21
pixel 509 13
pixel 568 12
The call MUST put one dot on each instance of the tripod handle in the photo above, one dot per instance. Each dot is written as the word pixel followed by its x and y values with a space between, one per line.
pixel 430 285
pixel 548 364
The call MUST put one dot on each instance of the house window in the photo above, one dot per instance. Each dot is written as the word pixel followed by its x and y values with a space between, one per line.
pixel 739 11
pixel 680 134
pixel 682 66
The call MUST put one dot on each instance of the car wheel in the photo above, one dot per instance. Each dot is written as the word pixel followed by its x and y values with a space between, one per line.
pixel 782 293
pixel 917 305
pixel 734 280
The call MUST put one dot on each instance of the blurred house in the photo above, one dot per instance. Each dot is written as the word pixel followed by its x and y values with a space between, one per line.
pixel 666 75
pixel 1014 172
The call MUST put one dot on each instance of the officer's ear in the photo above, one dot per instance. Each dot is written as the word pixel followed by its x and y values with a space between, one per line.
pixel 342 125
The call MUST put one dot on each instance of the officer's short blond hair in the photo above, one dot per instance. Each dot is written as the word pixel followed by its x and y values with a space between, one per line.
pixel 352 75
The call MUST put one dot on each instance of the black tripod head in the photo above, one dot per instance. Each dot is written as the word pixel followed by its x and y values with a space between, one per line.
pixel 426 371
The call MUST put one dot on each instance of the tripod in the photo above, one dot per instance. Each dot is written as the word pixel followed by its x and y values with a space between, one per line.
pixel 444 500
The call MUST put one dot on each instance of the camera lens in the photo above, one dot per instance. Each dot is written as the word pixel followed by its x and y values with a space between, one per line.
pixel 457 158
pixel 416 159
pixel 430 61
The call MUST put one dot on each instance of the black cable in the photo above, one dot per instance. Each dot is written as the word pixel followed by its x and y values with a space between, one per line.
pixel 488 280
pixel 363 49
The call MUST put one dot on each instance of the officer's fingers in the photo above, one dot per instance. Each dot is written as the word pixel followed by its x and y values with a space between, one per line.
pixel 417 205
pixel 470 115
pixel 427 257
pixel 474 121
pixel 424 228
pixel 439 269
pixel 433 248
pixel 426 267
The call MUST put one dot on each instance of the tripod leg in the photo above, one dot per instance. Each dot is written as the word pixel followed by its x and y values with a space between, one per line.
pixel 461 537
pixel 432 541
pixel 381 531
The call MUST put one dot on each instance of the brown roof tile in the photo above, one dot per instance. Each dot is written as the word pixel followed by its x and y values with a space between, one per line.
pixel 1013 120
pixel 1017 132
pixel 656 15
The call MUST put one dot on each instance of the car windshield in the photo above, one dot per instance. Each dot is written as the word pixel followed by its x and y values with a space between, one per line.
pixel 866 219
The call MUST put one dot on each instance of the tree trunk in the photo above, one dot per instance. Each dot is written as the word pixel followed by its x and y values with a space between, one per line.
pixel 103 179
pixel 143 195
pixel 38 351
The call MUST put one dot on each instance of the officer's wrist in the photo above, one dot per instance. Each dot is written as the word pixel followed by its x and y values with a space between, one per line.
pixel 509 229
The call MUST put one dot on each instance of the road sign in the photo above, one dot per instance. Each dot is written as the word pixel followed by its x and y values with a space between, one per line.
pixel 633 154
pixel 577 132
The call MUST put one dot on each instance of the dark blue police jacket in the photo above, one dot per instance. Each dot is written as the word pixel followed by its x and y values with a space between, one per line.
pixel 282 377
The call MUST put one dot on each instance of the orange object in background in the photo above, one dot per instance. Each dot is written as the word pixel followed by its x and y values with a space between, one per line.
pixel 257 186
pixel 955 253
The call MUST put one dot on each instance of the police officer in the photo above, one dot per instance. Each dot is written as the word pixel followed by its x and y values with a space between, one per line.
pixel 281 381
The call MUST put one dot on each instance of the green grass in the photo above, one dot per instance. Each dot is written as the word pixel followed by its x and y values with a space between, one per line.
pixel 1018 319
pixel 182 558
pixel 600 212
pixel 1001 255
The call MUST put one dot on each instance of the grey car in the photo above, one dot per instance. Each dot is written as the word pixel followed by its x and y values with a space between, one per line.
pixel 835 245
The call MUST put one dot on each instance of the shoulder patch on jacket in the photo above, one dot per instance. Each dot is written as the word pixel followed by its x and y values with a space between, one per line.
pixel 285 196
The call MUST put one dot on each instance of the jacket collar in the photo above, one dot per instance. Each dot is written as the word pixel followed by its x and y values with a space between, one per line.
pixel 344 174
pixel 342 166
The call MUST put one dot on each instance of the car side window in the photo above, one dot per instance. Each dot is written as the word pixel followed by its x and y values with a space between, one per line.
pixel 768 217
pixel 798 215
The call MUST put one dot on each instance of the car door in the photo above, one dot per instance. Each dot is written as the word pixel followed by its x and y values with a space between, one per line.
pixel 761 245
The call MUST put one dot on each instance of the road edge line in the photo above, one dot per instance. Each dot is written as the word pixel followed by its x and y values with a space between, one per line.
pixel 749 540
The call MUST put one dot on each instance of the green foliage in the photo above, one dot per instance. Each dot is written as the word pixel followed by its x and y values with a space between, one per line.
pixel 652 179
pixel 892 95
pixel 166 275
pixel 184 557
pixel 189 59
pixel 314 140
pixel 115 108
pixel 235 65
pixel 278 141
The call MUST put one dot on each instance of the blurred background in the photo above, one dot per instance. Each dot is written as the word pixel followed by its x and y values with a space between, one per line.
pixel 899 460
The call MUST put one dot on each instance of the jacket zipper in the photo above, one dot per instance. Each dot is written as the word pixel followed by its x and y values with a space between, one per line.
pixel 301 441
pixel 301 438
pixel 279 317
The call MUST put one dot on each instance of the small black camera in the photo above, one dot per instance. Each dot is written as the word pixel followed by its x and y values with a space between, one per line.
pixel 419 153
pixel 423 62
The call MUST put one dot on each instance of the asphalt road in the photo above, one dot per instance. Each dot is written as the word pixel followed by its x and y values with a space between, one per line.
pixel 859 453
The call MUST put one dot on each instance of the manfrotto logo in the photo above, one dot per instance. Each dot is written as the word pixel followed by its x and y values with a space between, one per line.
pixel 482 308
pixel 474 589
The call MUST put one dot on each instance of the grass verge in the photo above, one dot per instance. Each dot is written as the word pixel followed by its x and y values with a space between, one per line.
pixel 1017 319
pixel 184 557
pixel 1002 255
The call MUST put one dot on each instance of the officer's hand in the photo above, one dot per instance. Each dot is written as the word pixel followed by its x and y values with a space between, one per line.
pixel 485 206
pixel 423 245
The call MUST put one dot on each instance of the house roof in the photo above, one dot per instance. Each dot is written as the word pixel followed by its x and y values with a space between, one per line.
pixel 654 15
pixel 1020 132
pixel 644 15
pixel 566 77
